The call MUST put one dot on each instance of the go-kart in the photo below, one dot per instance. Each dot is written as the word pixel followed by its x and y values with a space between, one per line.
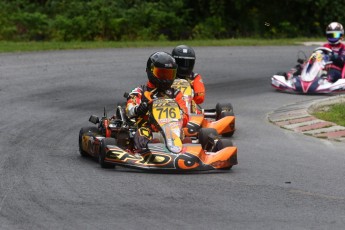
pixel 313 78
pixel 221 118
pixel 111 141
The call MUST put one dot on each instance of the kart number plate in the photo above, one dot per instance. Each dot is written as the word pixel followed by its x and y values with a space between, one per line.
pixel 183 86
pixel 166 110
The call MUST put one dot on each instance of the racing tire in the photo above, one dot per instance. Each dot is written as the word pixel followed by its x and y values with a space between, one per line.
pixel 101 156
pixel 223 143
pixel 225 114
pixel 221 108
pixel 203 135
pixel 83 130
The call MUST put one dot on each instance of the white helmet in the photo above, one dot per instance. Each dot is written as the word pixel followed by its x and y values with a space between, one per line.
pixel 334 33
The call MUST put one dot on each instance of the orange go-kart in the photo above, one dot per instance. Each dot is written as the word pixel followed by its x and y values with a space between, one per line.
pixel 221 118
pixel 112 143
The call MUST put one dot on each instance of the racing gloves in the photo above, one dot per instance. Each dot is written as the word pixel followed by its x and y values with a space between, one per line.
pixel 141 109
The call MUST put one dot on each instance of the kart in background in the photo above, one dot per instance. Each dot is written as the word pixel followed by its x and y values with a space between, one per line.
pixel 313 78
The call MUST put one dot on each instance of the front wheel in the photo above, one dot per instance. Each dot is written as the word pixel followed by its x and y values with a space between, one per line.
pixel 82 131
pixel 205 135
pixel 102 152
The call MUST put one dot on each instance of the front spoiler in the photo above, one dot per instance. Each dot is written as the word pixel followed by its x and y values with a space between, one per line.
pixel 292 85
pixel 157 158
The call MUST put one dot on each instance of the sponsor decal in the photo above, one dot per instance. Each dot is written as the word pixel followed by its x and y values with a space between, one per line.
pixel 149 159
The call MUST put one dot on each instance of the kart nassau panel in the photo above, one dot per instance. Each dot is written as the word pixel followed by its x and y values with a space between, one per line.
pixel 197 121
pixel 192 158
pixel 187 92
pixel 167 114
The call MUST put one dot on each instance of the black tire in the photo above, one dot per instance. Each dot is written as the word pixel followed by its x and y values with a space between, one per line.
pixel 221 108
pixel 203 135
pixel 225 114
pixel 83 130
pixel 223 143
pixel 101 156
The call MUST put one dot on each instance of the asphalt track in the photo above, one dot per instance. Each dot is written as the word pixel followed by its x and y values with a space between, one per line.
pixel 284 180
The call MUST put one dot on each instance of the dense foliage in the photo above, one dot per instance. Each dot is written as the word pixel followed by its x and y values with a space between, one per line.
pixel 120 20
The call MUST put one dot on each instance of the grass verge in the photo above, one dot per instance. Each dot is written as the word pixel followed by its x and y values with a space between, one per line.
pixel 9 46
pixel 334 113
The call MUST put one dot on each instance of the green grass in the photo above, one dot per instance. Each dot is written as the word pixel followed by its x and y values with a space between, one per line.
pixel 334 113
pixel 9 46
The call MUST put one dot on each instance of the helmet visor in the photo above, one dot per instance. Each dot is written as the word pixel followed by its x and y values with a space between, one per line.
pixel 186 63
pixel 164 74
pixel 334 36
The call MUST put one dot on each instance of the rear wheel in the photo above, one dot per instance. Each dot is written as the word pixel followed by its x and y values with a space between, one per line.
pixel 223 143
pixel 222 108
pixel 102 152
pixel 205 134
pixel 82 131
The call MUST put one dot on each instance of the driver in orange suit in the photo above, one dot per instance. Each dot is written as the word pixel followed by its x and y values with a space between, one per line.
pixel 185 59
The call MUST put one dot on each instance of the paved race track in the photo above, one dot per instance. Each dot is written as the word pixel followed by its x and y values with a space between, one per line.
pixel 284 180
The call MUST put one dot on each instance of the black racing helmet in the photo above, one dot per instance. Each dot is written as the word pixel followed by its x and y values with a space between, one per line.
pixel 161 70
pixel 334 33
pixel 185 59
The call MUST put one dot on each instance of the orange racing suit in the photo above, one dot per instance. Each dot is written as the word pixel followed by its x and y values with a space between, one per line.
pixel 195 80
pixel 136 96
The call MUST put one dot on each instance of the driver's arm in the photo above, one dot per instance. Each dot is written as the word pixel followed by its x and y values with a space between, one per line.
pixel 133 101
pixel 183 106
pixel 199 89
